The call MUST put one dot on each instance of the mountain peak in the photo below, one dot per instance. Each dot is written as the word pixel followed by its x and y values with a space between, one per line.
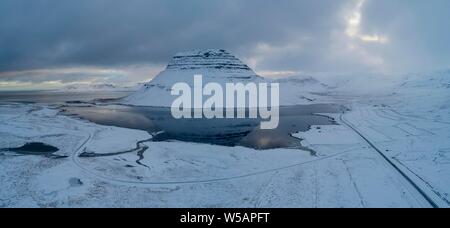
pixel 211 59
pixel 207 52
pixel 215 65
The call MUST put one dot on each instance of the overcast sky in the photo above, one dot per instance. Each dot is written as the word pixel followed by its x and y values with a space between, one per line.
pixel 49 43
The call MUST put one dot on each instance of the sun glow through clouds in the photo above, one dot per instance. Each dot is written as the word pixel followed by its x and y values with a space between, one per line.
pixel 354 26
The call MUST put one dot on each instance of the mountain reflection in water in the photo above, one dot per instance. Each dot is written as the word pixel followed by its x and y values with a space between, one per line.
pixel 227 132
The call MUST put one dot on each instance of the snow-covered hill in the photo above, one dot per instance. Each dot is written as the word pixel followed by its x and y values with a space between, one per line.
pixel 426 95
pixel 435 80
pixel 299 89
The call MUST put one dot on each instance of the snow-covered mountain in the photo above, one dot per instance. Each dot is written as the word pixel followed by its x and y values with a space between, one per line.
pixel 219 66
pixel 215 65
pixel 86 87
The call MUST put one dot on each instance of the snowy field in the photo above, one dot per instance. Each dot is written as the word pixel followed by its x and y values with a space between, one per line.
pixel 346 172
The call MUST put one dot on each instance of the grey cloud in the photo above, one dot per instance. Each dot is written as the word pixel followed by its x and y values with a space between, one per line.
pixel 303 35
pixel 39 77
pixel 53 33
pixel 419 32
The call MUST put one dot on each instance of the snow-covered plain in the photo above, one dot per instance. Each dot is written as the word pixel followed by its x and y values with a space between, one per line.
pixel 408 120
pixel 346 172
pixel 177 174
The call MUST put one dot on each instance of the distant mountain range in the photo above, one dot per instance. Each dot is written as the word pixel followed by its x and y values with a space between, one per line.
pixel 98 88
pixel 436 80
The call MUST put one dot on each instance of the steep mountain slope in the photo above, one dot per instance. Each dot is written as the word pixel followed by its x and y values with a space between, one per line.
pixel 216 66
pixel 221 67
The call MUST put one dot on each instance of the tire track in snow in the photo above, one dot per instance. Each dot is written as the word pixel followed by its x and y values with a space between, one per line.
pixel 75 159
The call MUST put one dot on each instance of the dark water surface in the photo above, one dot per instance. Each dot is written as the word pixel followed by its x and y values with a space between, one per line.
pixel 54 97
pixel 228 132
pixel 98 107
pixel 34 148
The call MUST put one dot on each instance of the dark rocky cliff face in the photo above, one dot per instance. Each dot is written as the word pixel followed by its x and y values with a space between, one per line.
pixel 212 59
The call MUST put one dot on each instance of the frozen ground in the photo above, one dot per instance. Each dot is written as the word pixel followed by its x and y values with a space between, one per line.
pixel 347 172
pixel 409 123
pixel 389 150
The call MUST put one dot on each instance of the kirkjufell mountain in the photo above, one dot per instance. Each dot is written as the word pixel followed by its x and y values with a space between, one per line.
pixel 216 65
pixel 219 66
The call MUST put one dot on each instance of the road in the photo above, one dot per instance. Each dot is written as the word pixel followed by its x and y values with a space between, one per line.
pixel 391 163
